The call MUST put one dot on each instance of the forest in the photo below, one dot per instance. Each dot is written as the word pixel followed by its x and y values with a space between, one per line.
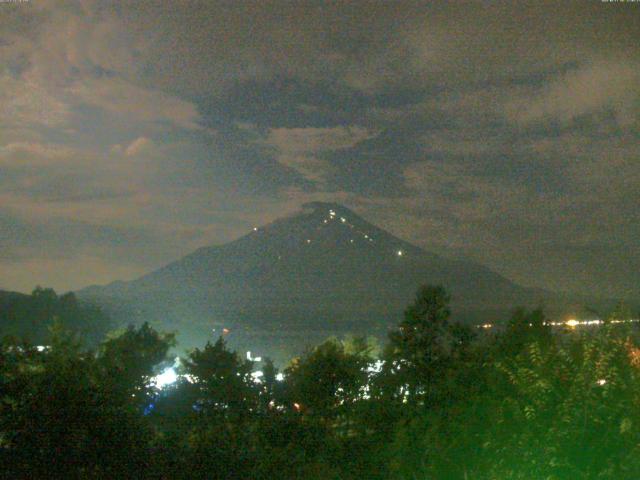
pixel 439 400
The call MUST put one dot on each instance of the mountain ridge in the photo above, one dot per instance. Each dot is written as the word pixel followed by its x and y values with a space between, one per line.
pixel 323 268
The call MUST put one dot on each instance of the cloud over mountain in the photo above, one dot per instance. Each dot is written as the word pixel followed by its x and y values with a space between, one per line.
pixel 504 133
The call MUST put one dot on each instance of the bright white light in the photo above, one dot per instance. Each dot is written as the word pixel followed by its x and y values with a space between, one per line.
pixel 280 377
pixel 400 253
pixel 375 367
pixel 601 382
pixel 167 377
pixel 308 240
pixel 253 359
pixel 572 323
pixel 257 376
pixel 255 229
pixel 343 220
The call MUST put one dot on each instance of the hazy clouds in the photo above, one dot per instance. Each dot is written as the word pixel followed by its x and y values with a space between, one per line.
pixel 134 132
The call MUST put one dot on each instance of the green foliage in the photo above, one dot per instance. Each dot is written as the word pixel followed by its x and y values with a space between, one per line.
pixel 65 414
pixel 523 328
pixel 526 403
pixel 553 406
pixel 223 381
pixel 331 375
pixel 127 362
pixel 421 351
pixel 30 316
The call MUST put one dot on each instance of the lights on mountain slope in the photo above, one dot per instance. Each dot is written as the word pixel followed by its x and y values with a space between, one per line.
pixel 344 221
pixel 399 253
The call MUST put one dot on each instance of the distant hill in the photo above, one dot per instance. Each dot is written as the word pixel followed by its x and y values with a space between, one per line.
pixel 8 298
pixel 29 317
pixel 324 270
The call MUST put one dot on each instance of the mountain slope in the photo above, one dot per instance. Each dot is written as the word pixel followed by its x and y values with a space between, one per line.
pixel 325 268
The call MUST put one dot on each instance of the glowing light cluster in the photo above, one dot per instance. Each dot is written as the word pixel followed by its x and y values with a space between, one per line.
pixel 167 377
pixel 375 367
pixel 345 221
pixel 253 359
pixel 573 323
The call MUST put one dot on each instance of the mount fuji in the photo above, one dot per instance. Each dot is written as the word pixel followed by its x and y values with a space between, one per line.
pixel 322 271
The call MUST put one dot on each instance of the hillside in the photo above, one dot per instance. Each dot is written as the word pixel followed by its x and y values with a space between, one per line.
pixel 324 270
pixel 30 317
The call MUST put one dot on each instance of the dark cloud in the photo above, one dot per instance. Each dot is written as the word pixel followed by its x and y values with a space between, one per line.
pixel 134 132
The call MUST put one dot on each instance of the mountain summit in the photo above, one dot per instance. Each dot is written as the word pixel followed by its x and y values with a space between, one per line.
pixel 323 270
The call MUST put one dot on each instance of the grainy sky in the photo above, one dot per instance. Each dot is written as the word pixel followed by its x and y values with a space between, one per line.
pixel 132 133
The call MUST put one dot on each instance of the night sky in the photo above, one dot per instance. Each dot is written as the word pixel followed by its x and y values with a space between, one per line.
pixel 132 133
